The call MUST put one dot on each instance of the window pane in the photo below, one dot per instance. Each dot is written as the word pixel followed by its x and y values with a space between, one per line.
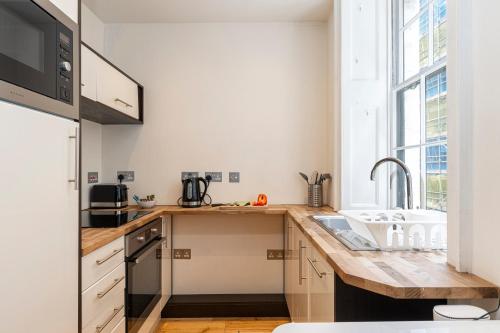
pixel 436 115
pixel 416 45
pixel 412 158
pixel 439 33
pixel 408 116
pixel 412 8
pixel 436 162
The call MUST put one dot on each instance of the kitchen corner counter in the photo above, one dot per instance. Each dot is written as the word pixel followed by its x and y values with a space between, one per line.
pixel 398 274
pixel 94 238
pixel 401 274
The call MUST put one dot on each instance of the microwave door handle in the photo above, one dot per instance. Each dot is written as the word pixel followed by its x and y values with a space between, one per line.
pixel 152 247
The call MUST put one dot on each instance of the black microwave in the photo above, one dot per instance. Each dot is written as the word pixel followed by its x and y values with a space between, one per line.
pixel 39 60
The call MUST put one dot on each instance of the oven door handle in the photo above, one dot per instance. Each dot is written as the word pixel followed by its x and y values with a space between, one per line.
pixel 146 251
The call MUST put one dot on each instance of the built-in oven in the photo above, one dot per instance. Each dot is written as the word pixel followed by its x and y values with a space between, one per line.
pixel 39 57
pixel 143 249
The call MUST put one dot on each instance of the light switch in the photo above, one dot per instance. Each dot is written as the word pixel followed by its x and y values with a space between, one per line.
pixel 234 177
pixel 93 177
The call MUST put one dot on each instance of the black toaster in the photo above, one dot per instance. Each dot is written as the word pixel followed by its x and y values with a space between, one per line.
pixel 109 196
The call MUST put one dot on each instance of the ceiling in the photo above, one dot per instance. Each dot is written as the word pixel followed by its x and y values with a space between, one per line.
pixel 160 11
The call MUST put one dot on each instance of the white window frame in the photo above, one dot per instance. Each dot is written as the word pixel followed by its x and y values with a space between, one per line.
pixel 398 84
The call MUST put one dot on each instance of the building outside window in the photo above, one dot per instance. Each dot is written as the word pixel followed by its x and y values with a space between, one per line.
pixel 419 89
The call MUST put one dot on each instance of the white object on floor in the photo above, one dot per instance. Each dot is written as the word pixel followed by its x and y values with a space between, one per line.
pixel 491 326
pixel 458 312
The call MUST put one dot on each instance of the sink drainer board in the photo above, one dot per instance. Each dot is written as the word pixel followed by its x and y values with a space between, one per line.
pixel 400 229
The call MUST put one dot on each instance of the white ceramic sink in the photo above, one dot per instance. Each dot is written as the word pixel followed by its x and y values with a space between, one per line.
pixel 400 229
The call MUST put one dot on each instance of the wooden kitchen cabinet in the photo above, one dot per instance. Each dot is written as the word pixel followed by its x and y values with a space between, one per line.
pixel 166 264
pixel 289 262
pixel 321 288
pixel 109 96
pixel 300 311
pixel 103 288
pixel 309 279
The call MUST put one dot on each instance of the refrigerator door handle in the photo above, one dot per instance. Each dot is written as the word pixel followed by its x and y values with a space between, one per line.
pixel 75 180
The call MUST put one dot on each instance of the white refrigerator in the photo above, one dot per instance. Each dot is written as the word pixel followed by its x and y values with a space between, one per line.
pixel 39 234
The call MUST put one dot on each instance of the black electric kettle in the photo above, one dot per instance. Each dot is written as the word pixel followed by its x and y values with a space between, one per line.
pixel 191 192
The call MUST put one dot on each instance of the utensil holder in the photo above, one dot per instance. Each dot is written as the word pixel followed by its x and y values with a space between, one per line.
pixel 315 195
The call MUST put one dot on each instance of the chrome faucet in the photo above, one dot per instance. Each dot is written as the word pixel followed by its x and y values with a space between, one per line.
pixel 409 190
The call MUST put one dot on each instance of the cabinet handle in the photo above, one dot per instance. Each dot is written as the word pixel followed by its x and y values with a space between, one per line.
pixel 100 328
pixel 123 102
pixel 102 261
pixel 107 290
pixel 300 262
pixel 75 180
pixel 312 262
pixel 82 84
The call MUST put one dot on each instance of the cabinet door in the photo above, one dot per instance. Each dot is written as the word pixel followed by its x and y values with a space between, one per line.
pixel 89 73
pixel 39 284
pixel 130 94
pixel 321 288
pixel 166 264
pixel 116 90
pixel 290 277
pixel 300 286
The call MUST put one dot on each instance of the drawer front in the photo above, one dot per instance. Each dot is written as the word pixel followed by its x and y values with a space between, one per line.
pixel 102 261
pixel 106 294
pixel 120 328
pixel 107 322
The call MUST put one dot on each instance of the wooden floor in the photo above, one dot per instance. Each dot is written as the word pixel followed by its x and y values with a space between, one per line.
pixel 217 325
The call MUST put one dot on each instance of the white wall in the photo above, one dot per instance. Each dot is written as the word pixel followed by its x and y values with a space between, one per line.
pixel 93 35
pixel 231 251
pixel 91 156
pixel 486 162
pixel 474 160
pixel 474 118
pixel 248 97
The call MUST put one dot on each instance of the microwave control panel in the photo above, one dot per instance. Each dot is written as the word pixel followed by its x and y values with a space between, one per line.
pixel 65 65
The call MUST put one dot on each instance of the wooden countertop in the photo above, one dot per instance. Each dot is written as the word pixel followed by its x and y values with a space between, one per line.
pixel 401 274
pixel 94 238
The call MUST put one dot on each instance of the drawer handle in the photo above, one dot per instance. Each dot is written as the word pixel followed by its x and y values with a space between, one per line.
pixel 100 328
pixel 107 290
pixel 102 261
pixel 312 262
pixel 123 102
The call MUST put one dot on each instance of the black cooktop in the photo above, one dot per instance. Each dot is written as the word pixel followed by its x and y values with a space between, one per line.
pixel 110 218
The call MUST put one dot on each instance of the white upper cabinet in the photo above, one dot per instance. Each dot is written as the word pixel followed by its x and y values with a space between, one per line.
pixel 68 7
pixel 116 90
pixel 111 97
pixel 89 73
